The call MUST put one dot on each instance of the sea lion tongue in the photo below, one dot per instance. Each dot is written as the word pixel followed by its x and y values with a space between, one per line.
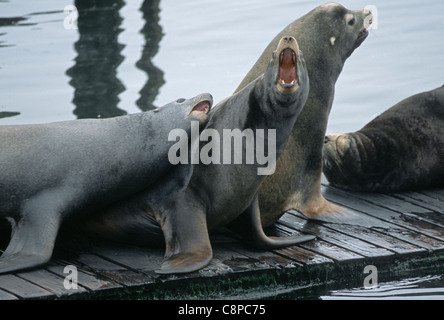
pixel 287 69
pixel 203 106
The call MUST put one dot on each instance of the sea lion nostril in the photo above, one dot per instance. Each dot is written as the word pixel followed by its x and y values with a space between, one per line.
pixel 326 139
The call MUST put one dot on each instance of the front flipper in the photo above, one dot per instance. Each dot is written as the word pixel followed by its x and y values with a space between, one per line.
pixel 32 242
pixel 188 246
pixel 249 226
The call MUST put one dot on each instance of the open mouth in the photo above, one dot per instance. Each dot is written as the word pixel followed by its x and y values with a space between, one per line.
pixel 287 68
pixel 362 35
pixel 203 106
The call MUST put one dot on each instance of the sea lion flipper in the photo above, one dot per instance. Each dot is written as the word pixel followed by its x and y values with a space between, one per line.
pixel 250 228
pixel 188 246
pixel 32 242
pixel 184 262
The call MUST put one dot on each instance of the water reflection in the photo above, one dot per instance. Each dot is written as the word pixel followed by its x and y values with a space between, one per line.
pixel 152 33
pixel 94 75
pixel 5 22
pixel 5 114
pixel 11 21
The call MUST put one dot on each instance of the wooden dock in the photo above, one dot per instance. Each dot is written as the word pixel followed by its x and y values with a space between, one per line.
pixel 402 235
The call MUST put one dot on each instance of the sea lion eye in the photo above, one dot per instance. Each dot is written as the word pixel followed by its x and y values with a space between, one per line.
pixel 180 100
pixel 351 22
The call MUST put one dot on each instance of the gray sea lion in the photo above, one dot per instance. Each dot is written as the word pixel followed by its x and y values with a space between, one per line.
pixel 401 149
pixel 208 196
pixel 327 35
pixel 52 172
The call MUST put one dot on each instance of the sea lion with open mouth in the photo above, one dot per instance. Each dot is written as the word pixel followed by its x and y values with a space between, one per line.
pixel 52 172
pixel 400 150
pixel 205 197
pixel 327 35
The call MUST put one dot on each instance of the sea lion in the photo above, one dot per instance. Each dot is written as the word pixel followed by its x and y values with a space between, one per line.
pixel 327 35
pixel 402 149
pixel 52 172
pixel 211 195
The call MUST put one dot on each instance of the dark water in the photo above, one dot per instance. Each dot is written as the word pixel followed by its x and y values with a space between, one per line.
pixel 128 56
pixel 419 288
pixel 131 56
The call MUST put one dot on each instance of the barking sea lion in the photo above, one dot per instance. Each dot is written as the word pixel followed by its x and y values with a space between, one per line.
pixel 198 199
pixel 327 35
pixel 51 172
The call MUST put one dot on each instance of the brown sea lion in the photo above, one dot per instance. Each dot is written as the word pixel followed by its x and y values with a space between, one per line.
pixel 327 35
pixel 402 149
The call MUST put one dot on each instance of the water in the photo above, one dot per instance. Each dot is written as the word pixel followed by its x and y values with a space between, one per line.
pixel 123 59
pixel 180 49
pixel 419 288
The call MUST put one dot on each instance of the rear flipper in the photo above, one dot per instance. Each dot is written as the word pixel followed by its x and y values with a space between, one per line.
pixel 32 242
pixel 249 226
pixel 188 246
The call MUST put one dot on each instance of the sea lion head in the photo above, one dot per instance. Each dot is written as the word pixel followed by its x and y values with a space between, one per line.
pixel 199 107
pixel 350 159
pixel 196 108
pixel 339 160
pixel 343 30
pixel 287 71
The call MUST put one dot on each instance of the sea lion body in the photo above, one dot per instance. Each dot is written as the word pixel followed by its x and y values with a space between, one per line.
pixel 51 172
pixel 402 149
pixel 327 35
pixel 208 196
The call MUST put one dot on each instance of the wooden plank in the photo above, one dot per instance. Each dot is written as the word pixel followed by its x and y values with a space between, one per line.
pixel 323 248
pixel 435 192
pixel 401 220
pixel 423 200
pixel 267 257
pixel 86 278
pixel 138 259
pixel 7 296
pixel 117 273
pixel 50 281
pixel 391 203
pixel 375 237
pixel 227 261
pixel 335 253
pixel 435 217
pixel 22 288
pixel 297 253
pixel 352 244
pixel 304 256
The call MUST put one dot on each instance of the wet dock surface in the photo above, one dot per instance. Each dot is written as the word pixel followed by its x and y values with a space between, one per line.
pixel 398 233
